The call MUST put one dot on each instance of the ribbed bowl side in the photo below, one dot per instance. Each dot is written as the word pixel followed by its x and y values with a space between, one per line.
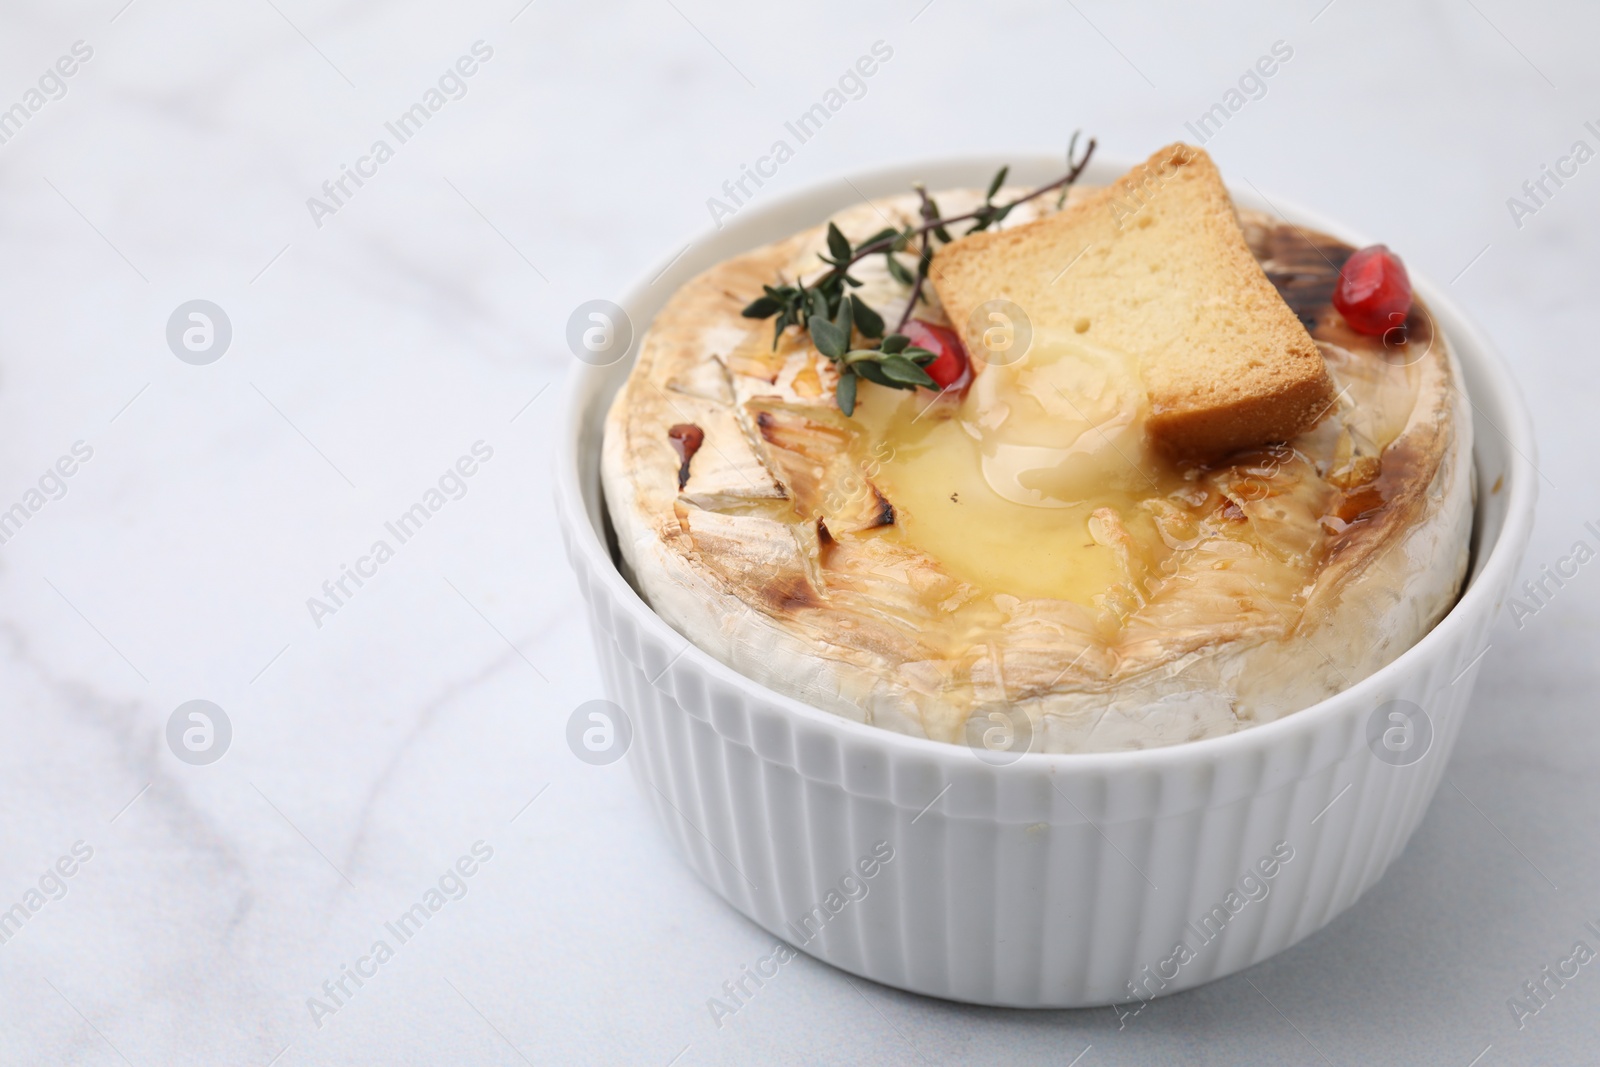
pixel 1028 885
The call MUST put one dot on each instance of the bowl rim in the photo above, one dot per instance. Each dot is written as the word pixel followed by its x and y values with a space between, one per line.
pixel 1485 576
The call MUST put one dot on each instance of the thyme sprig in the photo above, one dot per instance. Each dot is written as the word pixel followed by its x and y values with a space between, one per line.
pixel 834 316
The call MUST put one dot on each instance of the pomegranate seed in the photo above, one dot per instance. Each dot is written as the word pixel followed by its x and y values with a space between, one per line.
pixel 950 366
pixel 1374 292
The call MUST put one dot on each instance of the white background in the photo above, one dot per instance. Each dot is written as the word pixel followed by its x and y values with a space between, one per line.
pixel 372 351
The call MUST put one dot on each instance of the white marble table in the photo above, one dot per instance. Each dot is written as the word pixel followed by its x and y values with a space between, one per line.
pixel 377 339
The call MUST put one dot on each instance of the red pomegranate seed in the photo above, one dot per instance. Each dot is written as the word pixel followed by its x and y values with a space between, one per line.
pixel 950 366
pixel 686 440
pixel 1374 293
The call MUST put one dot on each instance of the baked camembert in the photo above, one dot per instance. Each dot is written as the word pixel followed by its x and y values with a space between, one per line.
pixel 1167 494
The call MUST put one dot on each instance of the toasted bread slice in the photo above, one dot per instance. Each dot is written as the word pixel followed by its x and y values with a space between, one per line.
pixel 1155 265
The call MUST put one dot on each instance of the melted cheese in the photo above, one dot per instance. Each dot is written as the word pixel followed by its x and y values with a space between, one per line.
pixel 1009 486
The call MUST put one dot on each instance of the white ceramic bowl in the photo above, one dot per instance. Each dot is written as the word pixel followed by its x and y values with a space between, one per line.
pixel 1056 880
